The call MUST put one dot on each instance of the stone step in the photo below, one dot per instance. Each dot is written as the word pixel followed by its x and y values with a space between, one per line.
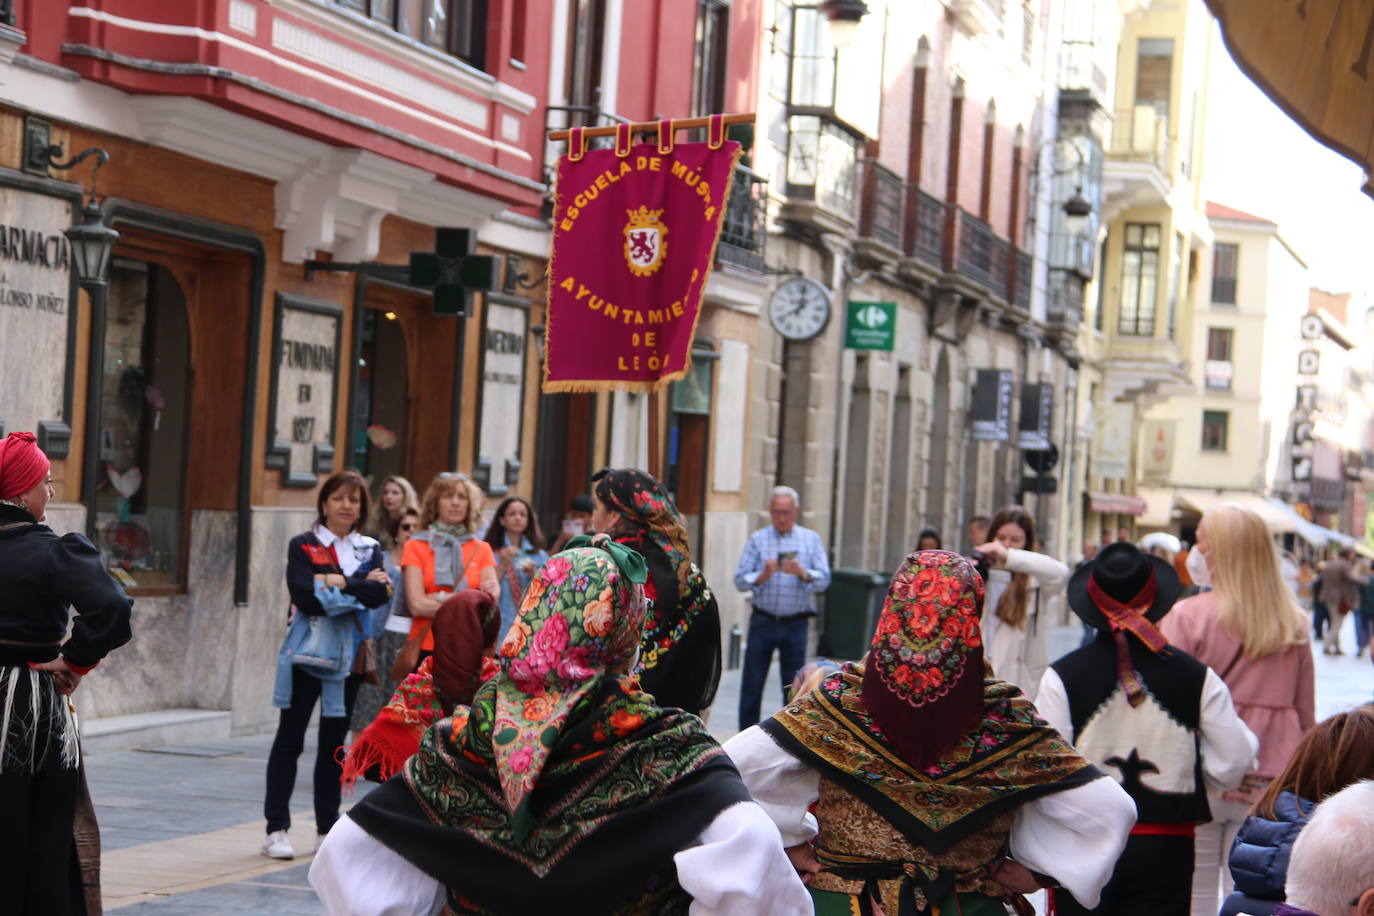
pixel 151 729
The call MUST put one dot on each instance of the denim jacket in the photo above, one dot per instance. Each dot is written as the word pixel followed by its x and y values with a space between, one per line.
pixel 342 628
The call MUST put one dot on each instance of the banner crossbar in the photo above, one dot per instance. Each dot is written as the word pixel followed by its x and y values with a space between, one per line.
pixel 651 127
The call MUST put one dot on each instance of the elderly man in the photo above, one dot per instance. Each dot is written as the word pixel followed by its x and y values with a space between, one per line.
pixel 783 564
pixel 1331 871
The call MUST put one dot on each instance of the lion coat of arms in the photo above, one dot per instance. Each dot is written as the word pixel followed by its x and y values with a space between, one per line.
pixel 645 241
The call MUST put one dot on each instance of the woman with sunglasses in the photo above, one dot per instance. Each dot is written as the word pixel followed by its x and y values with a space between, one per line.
pixel 446 555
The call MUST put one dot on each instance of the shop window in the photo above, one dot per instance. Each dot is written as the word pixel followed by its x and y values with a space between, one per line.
pixel 1139 280
pixel 452 26
pixel 1214 428
pixel 140 500
pixel 1224 257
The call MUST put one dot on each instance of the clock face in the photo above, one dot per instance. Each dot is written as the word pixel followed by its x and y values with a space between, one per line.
pixel 800 308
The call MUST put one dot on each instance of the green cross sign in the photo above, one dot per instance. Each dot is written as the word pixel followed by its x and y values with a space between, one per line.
pixel 871 326
pixel 453 271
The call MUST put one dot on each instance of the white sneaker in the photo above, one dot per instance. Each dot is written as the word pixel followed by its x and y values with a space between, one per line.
pixel 278 846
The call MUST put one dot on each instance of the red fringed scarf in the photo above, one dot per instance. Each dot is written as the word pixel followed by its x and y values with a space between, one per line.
pixel 1130 618
pixel 394 736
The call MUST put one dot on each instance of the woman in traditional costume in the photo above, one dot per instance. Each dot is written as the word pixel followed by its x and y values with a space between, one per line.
pixel 563 788
pixel 466 628
pixel 43 577
pixel 936 788
pixel 679 657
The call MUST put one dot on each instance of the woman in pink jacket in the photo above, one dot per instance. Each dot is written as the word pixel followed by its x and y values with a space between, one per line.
pixel 1249 630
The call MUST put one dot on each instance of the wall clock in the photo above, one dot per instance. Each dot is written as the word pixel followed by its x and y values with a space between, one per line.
pixel 799 308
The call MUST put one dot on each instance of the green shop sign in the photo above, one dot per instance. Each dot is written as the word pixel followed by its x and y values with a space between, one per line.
pixel 871 326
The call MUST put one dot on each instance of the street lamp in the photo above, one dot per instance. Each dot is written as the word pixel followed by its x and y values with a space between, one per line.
pixel 1076 212
pixel 844 16
pixel 91 240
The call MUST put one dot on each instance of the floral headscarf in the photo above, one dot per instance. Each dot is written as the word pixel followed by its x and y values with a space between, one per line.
pixel 923 681
pixel 920 731
pixel 580 620
pixel 641 498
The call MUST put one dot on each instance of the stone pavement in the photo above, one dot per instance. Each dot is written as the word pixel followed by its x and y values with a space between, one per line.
pixel 181 826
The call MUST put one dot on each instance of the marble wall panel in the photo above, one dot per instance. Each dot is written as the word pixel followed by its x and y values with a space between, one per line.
pixel 212 625
pixel 147 672
pixel 261 625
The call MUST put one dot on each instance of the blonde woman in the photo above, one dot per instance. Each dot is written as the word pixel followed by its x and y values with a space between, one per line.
pixel 1249 630
pixel 394 496
pixel 1018 578
pixel 446 555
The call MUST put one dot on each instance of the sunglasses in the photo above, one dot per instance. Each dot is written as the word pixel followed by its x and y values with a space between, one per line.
pixel 409 527
pixel 451 475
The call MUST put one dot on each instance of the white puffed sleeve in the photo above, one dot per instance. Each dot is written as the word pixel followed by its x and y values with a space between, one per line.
pixel 783 786
pixel 1227 746
pixel 355 875
pixel 738 867
pixel 1075 836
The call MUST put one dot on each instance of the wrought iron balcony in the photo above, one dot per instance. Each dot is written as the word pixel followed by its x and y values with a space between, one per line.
pixel 1141 134
pixel 880 207
pixel 1021 280
pixel 742 233
pixel 982 254
pixel 926 219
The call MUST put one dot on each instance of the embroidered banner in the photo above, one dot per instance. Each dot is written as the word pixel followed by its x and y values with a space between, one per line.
pixel 634 239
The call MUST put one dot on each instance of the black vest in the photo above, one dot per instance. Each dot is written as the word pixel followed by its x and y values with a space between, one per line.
pixel 1151 749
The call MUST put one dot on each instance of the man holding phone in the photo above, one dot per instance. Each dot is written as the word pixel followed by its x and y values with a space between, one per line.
pixel 577 521
pixel 784 565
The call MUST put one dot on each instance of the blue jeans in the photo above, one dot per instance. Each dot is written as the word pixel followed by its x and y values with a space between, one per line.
pixel 788 637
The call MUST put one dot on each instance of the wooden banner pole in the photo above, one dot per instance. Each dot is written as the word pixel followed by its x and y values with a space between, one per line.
pixel 648 127
pixel 655 435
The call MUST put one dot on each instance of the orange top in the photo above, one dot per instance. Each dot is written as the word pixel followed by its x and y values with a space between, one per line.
pixel 477 556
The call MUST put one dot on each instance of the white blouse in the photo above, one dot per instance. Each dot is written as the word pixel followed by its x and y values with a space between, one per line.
pixel 1075 836
pixel 1018 654
pixel 737 866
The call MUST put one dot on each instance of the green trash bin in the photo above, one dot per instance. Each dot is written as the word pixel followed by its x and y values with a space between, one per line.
pixel 852 605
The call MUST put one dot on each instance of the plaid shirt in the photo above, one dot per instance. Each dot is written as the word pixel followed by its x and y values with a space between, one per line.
pixel 783 594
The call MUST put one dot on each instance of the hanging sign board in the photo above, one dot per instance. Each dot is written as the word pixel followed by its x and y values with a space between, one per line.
pixel 1037 412
pixel 634 239
pixel 991 420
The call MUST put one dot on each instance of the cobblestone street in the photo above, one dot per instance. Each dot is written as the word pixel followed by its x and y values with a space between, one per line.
pixel 181 825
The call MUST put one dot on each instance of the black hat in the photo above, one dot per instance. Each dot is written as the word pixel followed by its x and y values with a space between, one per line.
pixel 1122 571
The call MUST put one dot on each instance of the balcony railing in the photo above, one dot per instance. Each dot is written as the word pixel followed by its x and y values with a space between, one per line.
pixel 1021 280
pixel 982 253
pixel 880 208
pixel 1079 70
pixel 742 232
pixel 927 219
pixel 1140 134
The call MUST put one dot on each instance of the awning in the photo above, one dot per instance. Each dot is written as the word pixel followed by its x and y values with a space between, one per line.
pixel 1200 501
pixel 1312 59
pixel 1310 532
pixel 1364 550
pixel 1115 503
pixel 1159 507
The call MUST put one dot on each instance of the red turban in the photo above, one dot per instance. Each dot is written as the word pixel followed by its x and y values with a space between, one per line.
pixel 22 464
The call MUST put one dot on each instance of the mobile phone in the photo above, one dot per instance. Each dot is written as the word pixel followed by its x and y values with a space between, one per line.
pixel 785 555
pixel 572 526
